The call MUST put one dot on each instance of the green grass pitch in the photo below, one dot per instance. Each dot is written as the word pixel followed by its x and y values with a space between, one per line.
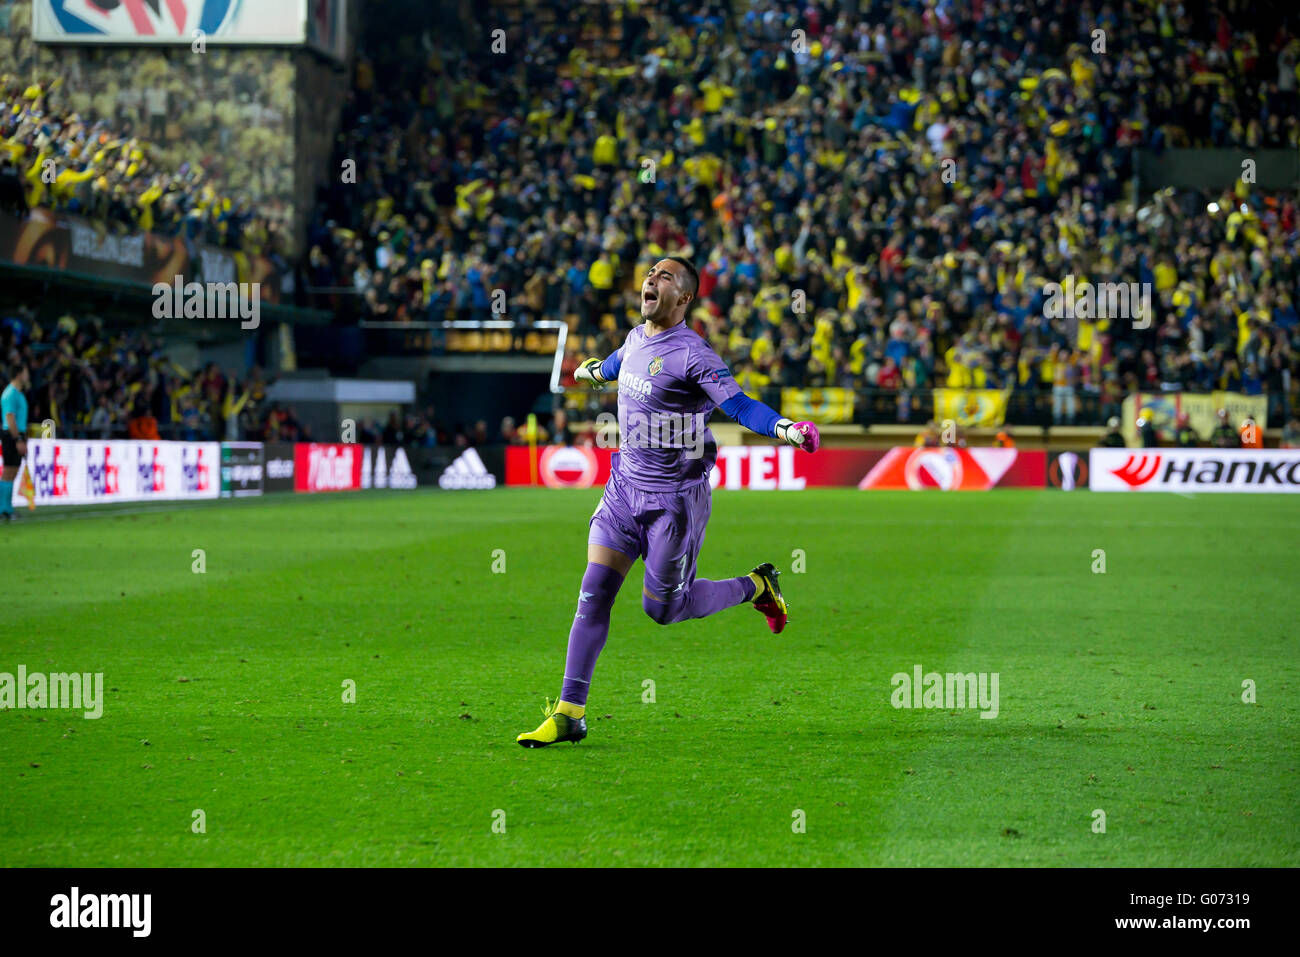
pixel 1119 692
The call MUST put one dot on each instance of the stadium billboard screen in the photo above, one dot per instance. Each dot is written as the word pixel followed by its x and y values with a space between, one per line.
pixel 57 241
pixel 320 23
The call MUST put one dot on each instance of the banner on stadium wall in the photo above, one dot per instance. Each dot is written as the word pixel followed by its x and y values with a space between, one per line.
pixel 87 472
pixel 823 406
pixel 387 466
pixel 327 467
pixel 410 467
pixel 1067 471
pixel 957 469
pixel 1201 408
pixel 243 469
pixel 480 467
pixel 173 21
pixel 756 467
pixel 280 466
pixel 334 467
pixel 971 408
pixel 784 468
pixel 1194 470
pixel 558 466
pixel 53 240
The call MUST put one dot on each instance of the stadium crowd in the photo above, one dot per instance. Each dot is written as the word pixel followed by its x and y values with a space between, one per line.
pixel 875 199
pixel 93 383
pixel 90 383
pixel 153 140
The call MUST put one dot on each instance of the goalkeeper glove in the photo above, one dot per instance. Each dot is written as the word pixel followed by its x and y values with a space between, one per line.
pixel 589 371
pixel 804 435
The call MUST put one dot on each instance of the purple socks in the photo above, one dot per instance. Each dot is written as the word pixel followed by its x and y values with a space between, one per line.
pixel 600 584
pixel 699 599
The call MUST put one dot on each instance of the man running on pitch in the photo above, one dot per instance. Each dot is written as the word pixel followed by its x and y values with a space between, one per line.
pixel 657 501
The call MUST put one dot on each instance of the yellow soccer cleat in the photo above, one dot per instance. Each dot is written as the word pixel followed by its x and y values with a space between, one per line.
pixel 768 598
pixel 557 727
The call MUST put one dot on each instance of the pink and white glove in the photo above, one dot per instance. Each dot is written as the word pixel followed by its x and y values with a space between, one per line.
pixel 804 435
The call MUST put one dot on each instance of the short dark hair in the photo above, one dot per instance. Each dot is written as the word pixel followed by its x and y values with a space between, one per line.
pixel 690 268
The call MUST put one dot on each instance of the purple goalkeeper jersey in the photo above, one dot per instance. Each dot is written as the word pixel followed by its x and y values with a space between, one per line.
pixel 668 386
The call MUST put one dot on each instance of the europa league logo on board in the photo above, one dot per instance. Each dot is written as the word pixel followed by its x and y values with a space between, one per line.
pixel 1067 471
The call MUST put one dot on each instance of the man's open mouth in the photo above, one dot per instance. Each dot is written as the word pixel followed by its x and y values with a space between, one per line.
pixel 649 296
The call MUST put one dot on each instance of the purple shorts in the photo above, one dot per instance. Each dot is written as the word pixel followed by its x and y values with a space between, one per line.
pixel 664 528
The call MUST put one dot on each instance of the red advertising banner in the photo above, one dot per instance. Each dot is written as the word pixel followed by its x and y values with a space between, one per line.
pixel 958 469
pixel 739 466
pixel 325 467
pixel 784 468
pixel 558 466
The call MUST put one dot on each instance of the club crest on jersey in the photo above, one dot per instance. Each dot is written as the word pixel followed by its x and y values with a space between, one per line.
pixel 656 365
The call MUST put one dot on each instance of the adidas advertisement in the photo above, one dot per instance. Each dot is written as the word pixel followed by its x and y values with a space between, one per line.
pixel 309 467
pixel 387 466
pixel 1194 470
pixel 468 471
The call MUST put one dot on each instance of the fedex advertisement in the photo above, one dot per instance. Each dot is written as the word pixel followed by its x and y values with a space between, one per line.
pixel 87 472
pixel 1194 470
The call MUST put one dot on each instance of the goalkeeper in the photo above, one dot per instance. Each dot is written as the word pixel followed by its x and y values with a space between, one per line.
pixel 657 501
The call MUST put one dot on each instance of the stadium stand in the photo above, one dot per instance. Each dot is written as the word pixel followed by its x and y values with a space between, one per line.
pixel 148 140
pixel 919 173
